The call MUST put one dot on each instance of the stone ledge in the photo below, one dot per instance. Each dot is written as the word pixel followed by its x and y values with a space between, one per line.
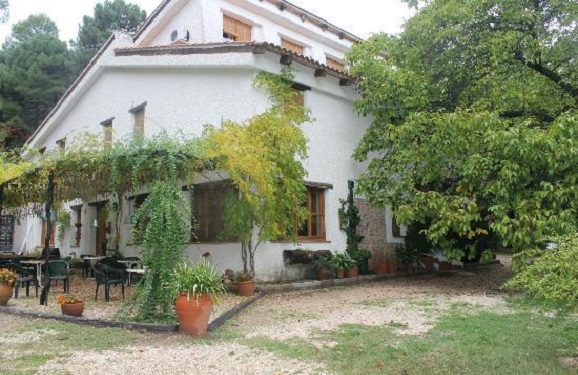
pixel 318 284
pixel 150 327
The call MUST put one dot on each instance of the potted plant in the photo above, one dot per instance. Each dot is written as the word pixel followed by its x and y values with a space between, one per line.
pixel 70 305
pixel 361 259
pixel 323 266
pixel 406 257
pixel 342 262
pixel 196 286
pixel 245 284
pixel 7 282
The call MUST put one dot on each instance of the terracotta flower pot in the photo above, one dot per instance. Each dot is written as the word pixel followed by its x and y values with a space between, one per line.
pixel 5 294
pixel 72 309
pixel 389 267
pixel 246 288
pixel 379 268
pixel 193 314
pixel 444 266
pixel 340 273
pixel 323 273
pixel 352 272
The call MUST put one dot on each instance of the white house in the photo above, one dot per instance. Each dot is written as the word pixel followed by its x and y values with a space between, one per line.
pixel 193 63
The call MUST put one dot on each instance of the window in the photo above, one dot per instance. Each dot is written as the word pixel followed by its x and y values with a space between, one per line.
pixel 299 94
pixel 6 232
pixel 236 30
pixel 314 227
pixel 134 204
pixel 334 64
pixel 107 126
pixel 139 117
pixel 294 47
pixel 395 229
pixel 208 206
pixel 78 224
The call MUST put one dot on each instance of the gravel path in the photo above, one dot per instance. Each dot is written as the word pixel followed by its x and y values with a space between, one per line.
pixel 412 304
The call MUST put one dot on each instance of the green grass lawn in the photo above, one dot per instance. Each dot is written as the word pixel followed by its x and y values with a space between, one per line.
pixel 465 340
pixel 462 342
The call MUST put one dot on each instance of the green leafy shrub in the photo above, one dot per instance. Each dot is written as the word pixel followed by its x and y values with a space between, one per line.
pixel 549 275
pixel 342 261
pixel 197 279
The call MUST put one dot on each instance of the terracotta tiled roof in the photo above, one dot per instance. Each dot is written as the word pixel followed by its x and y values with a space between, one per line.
pixel 228 47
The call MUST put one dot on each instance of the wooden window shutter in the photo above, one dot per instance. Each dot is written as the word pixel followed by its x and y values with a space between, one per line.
pixel 334 64
pixel 294 47
pixel 236 30
pixel 108 136
pixel 139 123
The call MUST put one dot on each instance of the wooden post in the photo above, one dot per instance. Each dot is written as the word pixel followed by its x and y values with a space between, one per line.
pixel 47 209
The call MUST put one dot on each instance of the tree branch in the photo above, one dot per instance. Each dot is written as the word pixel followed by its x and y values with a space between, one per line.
pixel 550 74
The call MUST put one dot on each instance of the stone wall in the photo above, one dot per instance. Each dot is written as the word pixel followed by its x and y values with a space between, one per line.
pixel 373 228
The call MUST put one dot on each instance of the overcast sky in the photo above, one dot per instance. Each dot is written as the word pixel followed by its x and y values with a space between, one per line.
pixel 360 17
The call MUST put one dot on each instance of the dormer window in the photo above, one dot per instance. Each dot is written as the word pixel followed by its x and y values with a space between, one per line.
pixel 291 46
pixel 334 64
pixel 235 30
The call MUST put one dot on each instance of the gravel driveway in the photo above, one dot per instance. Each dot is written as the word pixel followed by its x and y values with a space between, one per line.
pixel 413 303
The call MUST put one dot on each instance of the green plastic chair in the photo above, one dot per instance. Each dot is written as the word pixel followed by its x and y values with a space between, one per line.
pixel 107 276
pixel 59 270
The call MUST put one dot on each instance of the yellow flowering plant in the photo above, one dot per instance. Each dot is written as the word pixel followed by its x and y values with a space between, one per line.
pixel 64 299
pixel 7 277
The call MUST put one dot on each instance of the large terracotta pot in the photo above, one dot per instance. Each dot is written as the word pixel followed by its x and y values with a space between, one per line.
pixel 389 266
pixel 193 314
pixel 5 294
pixel 323 273
pixel 72 309
pixel 246 288
pixel 379 268
pixel 352 272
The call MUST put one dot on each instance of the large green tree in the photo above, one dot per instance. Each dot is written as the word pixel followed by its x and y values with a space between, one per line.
pixel 3 10
pixel 33 76
pixel 94 31
pixel 475 108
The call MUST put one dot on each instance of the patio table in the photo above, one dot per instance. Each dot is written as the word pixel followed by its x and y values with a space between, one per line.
pixel 131 271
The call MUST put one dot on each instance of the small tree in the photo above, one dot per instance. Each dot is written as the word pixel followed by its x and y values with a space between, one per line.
pixel 260 156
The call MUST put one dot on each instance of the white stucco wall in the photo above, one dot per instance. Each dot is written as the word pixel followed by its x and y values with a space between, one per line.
pixel 185 92
pixel 204 21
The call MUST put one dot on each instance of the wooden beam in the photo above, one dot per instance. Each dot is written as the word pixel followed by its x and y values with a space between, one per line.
pixel 286 60
pixel 320 73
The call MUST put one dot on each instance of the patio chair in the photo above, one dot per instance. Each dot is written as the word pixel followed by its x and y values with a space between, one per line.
pixel 107 276
pixel 25 278
pixel 59 270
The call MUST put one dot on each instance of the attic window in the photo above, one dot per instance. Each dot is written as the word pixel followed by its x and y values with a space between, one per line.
pixel 334 64
pixel 236 30
pixel 294 47
pixel 174 35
